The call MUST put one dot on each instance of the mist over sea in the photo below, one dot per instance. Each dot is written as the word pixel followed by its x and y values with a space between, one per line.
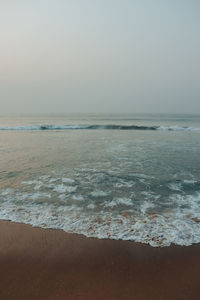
pixel 127 176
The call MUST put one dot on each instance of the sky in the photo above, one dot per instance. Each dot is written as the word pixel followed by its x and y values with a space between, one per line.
pixel 98 56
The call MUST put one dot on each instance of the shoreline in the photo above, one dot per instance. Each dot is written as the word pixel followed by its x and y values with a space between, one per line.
pixel 38 263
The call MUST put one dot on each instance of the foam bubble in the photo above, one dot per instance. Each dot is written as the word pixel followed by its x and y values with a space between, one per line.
pixel 175 186
pixel 44 177
pixel 54 180
pixel 78 197
pixel 38 195
pixel 64 188
pixel 187 181
pixel 67 180
pixel 31 182
pixel 145 206
pixel 63 197
pixel 123 183
pixel 91 206
pixel 119 201
pixel 98 193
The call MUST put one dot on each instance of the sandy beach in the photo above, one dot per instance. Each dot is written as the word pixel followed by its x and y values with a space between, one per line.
pixel 38 263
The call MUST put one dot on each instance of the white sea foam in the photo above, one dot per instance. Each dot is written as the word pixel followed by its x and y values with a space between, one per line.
pixel 123 183
pixel 178 128
pixel 67 180
pixel 190 181
pixel 78 197
pixel 119 201
pixel 91 206
pixel 54 180
pixel 179 227
pixel 44 177
pixel 38 195
pixel 63 197
pixel 55 205
pixel 98 194
pixel 61 188
pixel 145 206
pixel 175 186
pixel 31 182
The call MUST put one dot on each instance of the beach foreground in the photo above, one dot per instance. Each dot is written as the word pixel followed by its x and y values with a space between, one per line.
pixel 38 263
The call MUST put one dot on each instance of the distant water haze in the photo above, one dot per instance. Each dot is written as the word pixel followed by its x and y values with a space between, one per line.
pixel 99 56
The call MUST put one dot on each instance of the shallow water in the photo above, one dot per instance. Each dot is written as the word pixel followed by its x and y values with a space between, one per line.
pixel 116 182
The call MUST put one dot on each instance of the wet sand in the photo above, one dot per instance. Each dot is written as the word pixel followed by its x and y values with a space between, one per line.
pixel 45 264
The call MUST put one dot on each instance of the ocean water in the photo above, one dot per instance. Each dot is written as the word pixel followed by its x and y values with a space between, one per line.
pixel 130 177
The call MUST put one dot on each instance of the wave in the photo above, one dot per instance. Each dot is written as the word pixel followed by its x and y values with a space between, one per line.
pixel 97 127
pixel 55 201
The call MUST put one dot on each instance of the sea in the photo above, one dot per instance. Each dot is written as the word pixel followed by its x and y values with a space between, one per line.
pixel 131 177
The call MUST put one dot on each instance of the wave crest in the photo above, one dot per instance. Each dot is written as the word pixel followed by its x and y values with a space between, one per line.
pixel 97 127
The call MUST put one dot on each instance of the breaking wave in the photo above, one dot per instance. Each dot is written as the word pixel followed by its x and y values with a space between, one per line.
pixel 97 127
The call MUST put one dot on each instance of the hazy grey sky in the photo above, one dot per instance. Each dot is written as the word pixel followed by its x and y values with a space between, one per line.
pixel 99 56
